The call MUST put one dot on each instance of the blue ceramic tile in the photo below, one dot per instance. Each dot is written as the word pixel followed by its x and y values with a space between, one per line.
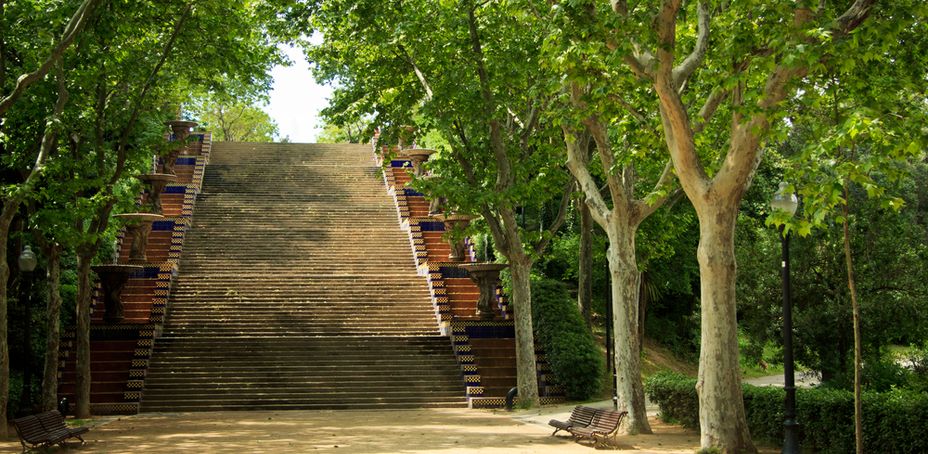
pixel 431 226
pixel 452 272
pixel 162 225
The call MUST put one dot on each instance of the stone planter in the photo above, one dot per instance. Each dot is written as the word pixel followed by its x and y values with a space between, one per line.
pixel 455 222
pixel 181 130
pixel 138 226
pixel 418 156
pixel 113 280
pixel 155 183
pixel 486 276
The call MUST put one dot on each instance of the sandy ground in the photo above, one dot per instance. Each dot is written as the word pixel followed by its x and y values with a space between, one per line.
pixel 396 431
pixel 388 431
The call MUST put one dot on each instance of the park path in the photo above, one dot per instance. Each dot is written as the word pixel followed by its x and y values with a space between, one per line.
pixel 803 380
pixel 439 430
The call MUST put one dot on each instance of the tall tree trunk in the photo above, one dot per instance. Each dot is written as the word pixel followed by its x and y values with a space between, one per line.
pixel 643 297
pixel 82 335
pixel 9 211
pixel 722 418
pixel 520 267
pixel 623 269
pixel 50 380
pixel 858 348
pixel 585 271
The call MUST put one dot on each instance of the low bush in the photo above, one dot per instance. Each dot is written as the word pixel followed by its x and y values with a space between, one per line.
pixel 895 421
pixel 569 346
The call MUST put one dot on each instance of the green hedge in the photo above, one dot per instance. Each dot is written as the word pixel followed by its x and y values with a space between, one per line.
pixel 894 421
pixel 569 346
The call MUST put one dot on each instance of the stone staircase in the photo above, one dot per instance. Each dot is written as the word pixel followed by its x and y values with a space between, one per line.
pixel 298 289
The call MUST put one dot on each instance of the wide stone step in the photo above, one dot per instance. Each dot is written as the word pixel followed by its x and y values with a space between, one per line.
pixel 308 293
pixel 372 326
pixel 311 364
pixel 202 319
pixel 179 388
pixel 316 331
pixel 286 404
pixel 339 342
pixel 300 395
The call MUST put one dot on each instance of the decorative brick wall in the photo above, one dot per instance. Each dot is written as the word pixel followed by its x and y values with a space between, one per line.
pixel 454 296
pixel 120 352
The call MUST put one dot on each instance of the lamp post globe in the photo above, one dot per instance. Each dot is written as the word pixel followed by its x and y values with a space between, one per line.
pixel 787 202
pixel 27 260
pixel 784 200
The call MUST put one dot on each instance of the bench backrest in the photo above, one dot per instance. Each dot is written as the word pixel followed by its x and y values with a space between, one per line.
pixel 581 416
pixel 606 420
pixel 30 429
pixel 52 420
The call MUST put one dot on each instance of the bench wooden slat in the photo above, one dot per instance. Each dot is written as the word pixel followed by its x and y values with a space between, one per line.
pixel 580 417
pixel 54 422
pixel 603 427
pixel 30 429
pixel 45 429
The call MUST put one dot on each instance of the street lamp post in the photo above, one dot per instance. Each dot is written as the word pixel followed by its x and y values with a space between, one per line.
pixel 27 263
pixel 787 202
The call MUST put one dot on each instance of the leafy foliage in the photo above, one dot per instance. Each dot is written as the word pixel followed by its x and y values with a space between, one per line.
pixel 889 253
pixel 233 120
pixel 894 421
pixel 569 346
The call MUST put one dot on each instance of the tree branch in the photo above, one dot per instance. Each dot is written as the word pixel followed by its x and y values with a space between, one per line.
pixel 578 165
pixel 855 15
pixel 643 209
pixel 143 93
pixel 504 174
pixel 419 74
pixel 601 137
pixel 74 27
pixel 708 109
pixel 558 220
pixel 683 71
pixel 677 129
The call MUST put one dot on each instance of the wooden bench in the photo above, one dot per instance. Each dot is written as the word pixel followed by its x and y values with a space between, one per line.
pixel 45 429
pixel 580 417
pixel 602 430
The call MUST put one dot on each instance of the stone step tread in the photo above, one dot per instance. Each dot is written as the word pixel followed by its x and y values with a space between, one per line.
pixel 252 406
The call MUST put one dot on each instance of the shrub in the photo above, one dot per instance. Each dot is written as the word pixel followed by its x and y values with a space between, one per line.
pixel 894 421
pixel 569 346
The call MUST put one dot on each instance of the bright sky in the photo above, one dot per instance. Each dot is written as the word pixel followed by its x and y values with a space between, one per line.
pixel 296 99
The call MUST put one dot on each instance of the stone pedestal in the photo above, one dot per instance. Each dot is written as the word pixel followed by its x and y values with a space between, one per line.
pixel 486 276
pixel 155 183
pixel 455 222
pixel 436 204
pixel 113 279
pixel 406 137
pixel 138 226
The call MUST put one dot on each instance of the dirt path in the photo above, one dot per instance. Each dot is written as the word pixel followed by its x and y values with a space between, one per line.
pixel 406 431
pixel 439 430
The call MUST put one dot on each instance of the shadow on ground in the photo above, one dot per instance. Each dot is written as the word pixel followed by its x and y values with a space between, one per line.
pixel 395 431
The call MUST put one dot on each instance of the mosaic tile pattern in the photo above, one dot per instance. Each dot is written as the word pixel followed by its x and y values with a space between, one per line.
pixel 162 274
